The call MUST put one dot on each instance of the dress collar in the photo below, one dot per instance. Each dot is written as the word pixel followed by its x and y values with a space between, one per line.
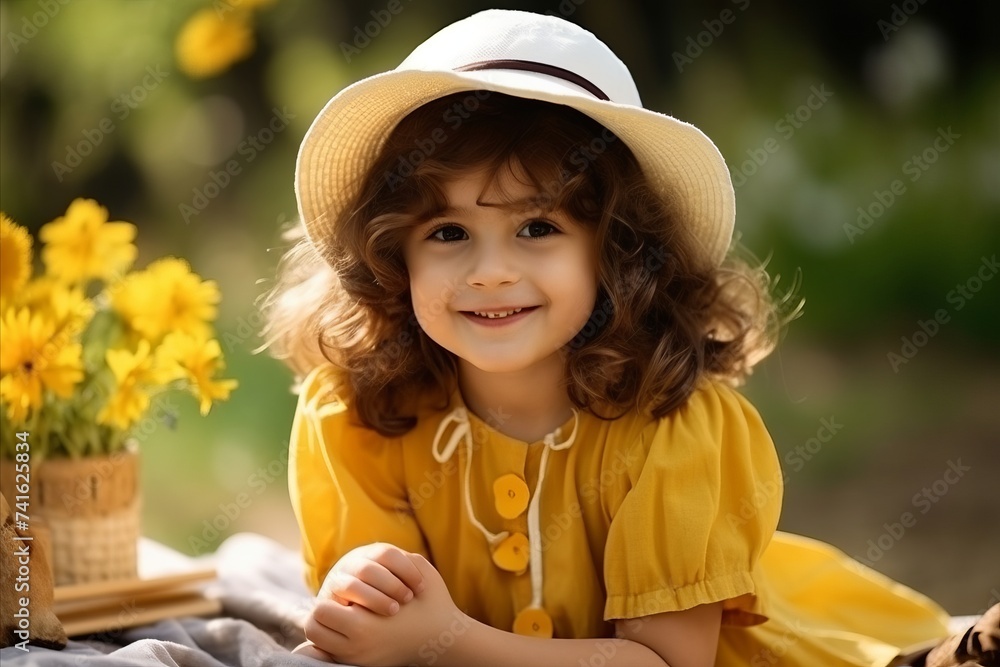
pixel 461 418
pixel 559 438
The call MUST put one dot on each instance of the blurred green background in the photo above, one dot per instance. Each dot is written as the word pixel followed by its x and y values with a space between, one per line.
pixel 818 110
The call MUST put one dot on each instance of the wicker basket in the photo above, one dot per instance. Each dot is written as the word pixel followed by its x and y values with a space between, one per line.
pixel 91 507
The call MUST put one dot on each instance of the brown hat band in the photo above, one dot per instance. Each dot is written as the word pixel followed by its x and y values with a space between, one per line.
pixel 540 68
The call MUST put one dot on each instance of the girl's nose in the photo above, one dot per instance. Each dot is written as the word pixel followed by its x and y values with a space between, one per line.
pixel 492 266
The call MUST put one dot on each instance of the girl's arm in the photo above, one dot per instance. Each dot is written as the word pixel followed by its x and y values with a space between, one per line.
pixel 678 639
pixel 431 630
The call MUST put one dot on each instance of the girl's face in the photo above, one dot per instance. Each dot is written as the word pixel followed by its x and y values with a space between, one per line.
pixel 501 285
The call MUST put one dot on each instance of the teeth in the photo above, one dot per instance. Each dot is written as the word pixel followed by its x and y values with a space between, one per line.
pixel 494 316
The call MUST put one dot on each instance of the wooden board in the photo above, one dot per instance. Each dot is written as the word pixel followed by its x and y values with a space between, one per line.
pixel 114 605
pixel 144 599
pixel 131 587
pixel 112 620
pixel 169 585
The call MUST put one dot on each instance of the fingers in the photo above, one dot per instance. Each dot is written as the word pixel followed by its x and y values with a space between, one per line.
pixel 419 561
pixel 405 569
pixel 355 588
pixel 321 626
pixel 310 650
pixel 379 577
pixel 423 567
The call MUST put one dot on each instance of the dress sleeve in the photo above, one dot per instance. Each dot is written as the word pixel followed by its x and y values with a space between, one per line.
pixel 345 481
pixel 697 512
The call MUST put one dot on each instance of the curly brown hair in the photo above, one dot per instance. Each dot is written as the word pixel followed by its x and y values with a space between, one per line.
pixel 661 322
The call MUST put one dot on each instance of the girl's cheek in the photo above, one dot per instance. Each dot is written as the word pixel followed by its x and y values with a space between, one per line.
pixel 431 299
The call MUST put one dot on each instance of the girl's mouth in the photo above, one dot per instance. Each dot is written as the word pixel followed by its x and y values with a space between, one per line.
pixel 498 318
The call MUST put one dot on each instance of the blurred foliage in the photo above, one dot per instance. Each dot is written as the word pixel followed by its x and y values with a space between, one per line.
pixel 884 81
pixel 889 91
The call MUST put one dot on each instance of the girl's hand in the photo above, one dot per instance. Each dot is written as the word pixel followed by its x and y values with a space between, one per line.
pixel 379 577
pixel 308 649
pixel 415 635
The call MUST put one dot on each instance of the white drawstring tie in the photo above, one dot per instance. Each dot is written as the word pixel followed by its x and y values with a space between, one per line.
pixel 463 431
pixel 460 417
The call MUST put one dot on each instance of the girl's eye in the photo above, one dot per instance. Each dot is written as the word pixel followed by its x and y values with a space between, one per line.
pixel 537 229
pixel 448 233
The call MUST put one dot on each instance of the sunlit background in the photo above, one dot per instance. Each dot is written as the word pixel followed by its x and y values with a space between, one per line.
pixel 864 140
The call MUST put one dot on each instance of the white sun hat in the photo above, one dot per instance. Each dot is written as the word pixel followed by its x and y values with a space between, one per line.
pixel 525 55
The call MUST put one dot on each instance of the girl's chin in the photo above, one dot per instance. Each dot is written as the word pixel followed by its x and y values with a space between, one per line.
pixel 498 364
pixel 498 367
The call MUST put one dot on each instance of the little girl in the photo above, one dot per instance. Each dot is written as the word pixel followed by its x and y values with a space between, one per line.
pixel 516 441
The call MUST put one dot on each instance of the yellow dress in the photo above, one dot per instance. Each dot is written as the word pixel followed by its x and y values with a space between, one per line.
pixel 632 517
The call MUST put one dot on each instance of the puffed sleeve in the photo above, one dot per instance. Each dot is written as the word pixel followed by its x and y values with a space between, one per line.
pixel 695 513
pixel 345 481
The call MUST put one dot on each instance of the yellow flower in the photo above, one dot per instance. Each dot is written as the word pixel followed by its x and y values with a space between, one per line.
pixel 82 244
pixel 166 297
pixel 37 294
pixel 211 41
pixel 69 308
pixel 223 6
pixel 65 305
pixel 33 358
pixel 200 359
pixel 15 257
pixel 135 374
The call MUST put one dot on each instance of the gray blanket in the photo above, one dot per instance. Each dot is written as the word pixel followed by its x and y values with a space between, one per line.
pixel 265 602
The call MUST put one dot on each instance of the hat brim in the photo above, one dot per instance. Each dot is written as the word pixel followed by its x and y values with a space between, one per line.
pixel 680 163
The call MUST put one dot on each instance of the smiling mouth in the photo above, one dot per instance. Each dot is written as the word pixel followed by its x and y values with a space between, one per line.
pixel 498 315
pixel 494 316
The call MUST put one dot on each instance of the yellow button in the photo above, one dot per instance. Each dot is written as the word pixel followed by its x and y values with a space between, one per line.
pixel 511 495
pixel 533 622
pixel 512 554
